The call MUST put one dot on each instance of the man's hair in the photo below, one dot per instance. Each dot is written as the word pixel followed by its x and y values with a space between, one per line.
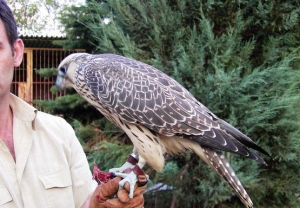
pixel 9 22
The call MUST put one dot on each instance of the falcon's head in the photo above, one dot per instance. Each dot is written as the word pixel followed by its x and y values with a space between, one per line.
pixel 67 69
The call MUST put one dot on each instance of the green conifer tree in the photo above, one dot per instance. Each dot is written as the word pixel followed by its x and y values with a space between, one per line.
pixel 240 59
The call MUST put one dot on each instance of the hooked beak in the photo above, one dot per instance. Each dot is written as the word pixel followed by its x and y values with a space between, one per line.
pixel 60 80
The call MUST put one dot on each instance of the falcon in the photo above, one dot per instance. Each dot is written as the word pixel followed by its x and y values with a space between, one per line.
pixel 158 114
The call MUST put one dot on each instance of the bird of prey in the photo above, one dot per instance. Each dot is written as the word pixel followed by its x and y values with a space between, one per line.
pixel 157 113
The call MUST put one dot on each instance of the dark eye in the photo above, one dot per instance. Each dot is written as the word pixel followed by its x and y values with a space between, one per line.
pixel 63 69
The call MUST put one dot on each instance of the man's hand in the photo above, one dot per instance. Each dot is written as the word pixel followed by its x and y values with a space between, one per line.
pixel 103 196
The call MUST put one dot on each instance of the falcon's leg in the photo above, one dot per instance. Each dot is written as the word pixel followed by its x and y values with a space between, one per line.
pixel 132 160
pixel 132 177
pixel 136 166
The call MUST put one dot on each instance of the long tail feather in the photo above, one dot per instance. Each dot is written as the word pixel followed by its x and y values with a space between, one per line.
pixel 219 163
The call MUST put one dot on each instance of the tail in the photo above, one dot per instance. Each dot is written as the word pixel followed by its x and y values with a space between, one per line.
pixel 219 163
pixel 214 159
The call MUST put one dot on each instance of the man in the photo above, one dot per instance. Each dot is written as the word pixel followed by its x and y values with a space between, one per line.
pixel 41 161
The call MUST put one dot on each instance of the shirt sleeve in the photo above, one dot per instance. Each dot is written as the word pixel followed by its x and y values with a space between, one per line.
pixel 82 182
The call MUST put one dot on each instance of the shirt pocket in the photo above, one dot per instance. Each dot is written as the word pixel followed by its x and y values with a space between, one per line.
pixel 5 196
pixel 58 188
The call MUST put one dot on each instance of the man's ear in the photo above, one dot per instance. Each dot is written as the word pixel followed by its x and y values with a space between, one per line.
pixel 18 52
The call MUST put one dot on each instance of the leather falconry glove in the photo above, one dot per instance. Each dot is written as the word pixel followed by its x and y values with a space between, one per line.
pixel 103 195
pixel 108 195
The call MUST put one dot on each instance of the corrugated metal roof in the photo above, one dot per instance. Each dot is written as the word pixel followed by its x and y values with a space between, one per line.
pixel 41 41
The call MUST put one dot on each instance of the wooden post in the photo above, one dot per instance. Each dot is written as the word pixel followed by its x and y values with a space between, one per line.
pixel 25 88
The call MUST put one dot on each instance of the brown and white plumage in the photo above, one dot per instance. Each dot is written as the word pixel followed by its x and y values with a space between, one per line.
pixel 156 112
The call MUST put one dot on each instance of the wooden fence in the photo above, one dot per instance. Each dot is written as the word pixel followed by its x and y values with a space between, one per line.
pixel 27 83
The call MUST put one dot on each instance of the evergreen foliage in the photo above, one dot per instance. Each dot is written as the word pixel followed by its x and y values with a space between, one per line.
pixel 239 58
pixel 78 36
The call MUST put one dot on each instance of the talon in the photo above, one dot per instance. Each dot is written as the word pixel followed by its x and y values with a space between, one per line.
pixel 131 178
pixel 113 175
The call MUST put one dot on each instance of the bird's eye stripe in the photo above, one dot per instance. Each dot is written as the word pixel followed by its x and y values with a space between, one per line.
pixel 63 69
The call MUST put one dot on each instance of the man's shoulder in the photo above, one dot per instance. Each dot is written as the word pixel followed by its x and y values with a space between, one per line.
pixel 53 126
pixel 49 118
pixel 26 112
pixel 48 115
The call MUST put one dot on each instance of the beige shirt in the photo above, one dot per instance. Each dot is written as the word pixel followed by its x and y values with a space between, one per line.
pixel 51 169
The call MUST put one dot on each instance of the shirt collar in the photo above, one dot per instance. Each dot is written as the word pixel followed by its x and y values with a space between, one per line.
pixel 22 110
